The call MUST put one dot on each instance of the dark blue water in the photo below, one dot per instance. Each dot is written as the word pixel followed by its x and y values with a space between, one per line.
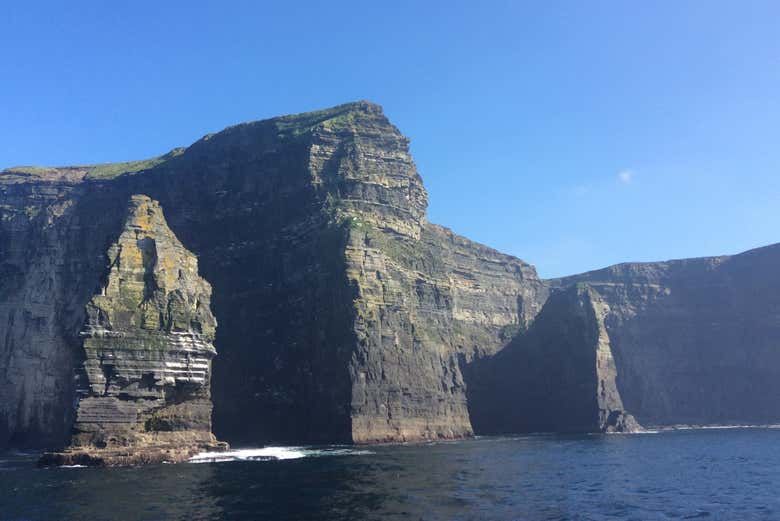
pixel 710 474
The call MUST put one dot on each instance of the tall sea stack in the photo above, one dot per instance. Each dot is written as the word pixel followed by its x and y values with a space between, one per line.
pixel 143 387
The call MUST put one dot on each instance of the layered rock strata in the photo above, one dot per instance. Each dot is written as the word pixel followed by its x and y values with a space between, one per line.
pixel 559 376
pixel 143 387
pixel 426 307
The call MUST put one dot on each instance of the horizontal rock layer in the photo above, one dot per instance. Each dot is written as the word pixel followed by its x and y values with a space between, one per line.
pixel 425 306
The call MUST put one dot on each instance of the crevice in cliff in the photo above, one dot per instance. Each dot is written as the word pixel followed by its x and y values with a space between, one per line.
pixel 148 249
pixel 109 372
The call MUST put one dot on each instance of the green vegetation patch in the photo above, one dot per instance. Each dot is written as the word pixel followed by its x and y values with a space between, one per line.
pixel 99 171
pixel 333 118
pixel 111 170
pixel 35 170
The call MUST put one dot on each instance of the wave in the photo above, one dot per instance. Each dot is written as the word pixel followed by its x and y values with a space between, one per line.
pixel 685 427
pixel 274 454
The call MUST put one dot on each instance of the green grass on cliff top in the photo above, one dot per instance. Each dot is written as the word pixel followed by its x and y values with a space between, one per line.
pixel 99 171
pixel 334 117
pixel 109 170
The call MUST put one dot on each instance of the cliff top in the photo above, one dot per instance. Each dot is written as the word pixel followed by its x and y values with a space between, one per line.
pixel 655 271
pixel 81 172
pixel 286 126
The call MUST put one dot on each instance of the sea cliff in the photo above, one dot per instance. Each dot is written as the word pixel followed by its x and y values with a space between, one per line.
pixel 343 314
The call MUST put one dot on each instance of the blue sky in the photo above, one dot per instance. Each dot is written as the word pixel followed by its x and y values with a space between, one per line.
pixel 571 134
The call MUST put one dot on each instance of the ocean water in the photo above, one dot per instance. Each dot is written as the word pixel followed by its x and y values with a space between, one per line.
pixel 698 474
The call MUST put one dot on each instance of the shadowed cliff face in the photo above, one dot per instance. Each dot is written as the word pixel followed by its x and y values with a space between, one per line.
pixel 336 298
pixel 559 376
pixel 343 314
pixel 251 204
pixel 695 341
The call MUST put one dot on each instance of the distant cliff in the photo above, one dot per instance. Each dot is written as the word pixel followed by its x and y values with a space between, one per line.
pixel 695 341
pixel 344 315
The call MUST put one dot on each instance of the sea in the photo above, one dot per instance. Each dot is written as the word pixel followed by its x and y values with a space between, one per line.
pixel 730 474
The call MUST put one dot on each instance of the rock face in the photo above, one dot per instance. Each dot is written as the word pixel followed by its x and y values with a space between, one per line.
pixel 559 376
pixel 425 307
pixel 695 341
pixel 143 389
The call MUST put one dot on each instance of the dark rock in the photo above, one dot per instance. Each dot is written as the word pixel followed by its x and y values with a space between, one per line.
pixel 53 242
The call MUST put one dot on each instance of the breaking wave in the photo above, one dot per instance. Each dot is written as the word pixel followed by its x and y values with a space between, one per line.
pixel 274 454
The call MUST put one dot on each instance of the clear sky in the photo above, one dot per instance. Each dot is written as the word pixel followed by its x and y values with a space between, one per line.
pixel 571 134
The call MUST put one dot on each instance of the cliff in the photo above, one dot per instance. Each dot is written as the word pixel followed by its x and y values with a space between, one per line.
pixel 695 341
pixel 425 308
pixel 344 315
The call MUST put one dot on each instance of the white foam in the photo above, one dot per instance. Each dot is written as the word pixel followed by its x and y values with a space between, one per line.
pixel 717 427
pixel 272 453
